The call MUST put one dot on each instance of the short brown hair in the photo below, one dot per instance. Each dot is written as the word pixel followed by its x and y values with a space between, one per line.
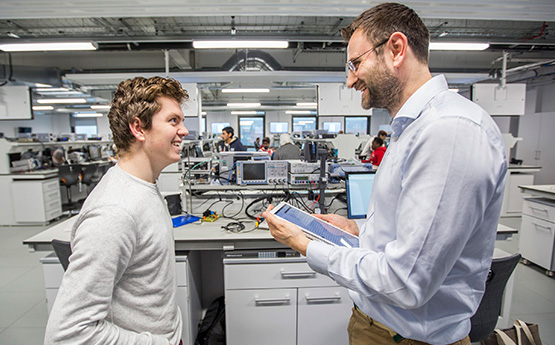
pixel 138 97
pixel 381 21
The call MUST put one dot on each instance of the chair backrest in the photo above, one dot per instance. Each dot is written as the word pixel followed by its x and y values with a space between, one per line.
pixel 69 174
pixel 63 252
pixel 87 173
pixel 484 320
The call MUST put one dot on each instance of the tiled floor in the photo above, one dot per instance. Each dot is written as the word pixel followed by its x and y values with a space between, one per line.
pixel 23 313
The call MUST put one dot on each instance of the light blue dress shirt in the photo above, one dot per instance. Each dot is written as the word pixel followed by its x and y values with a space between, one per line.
pixel 426 246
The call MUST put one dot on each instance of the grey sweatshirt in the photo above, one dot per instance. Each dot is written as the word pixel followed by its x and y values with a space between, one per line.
pixel 120 286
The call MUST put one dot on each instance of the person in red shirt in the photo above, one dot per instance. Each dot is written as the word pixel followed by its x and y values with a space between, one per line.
pixel 378 151
pixel 266 146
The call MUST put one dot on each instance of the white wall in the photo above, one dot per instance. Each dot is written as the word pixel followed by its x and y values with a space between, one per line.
pixel 58 123
pixel 536 128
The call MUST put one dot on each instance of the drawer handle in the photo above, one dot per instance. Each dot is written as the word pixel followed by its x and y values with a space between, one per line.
pixel 266 301
pixel 538 209
pixel 542 227
pixel 322 299
pixel 297 275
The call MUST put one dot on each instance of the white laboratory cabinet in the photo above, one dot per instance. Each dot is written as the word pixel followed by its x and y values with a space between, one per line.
pixel 188 289
pixel 283 301
pixel 36 201
pixel 537 232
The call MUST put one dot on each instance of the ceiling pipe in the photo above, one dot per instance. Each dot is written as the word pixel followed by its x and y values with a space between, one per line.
pixel 255 59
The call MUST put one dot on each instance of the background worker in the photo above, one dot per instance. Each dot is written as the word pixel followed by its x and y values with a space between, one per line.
pixel 287 150
pixel 229 142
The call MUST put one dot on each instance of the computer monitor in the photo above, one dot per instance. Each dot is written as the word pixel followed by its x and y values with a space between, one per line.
pixel 95 152
pixel 332 127
pixel 359 188
pixel 279 127
pixel 217 127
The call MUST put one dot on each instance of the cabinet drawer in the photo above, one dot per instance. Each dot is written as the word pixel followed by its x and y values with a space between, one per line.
pixel 50 185
pixel 273 275
pixel 536 240
pixel 54 212
pixel 51 196
pixel 53 205
pixel 540 208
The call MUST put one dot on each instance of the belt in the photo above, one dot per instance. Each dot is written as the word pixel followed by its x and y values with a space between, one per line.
pixel 395 336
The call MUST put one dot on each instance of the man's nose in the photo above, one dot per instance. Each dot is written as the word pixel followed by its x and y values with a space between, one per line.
pixel 351 79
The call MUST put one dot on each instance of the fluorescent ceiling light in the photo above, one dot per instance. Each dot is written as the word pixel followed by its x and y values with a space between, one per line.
pixel 87 115
pixel 245 90
pixel 454 90
pixel 61 100
pixel 234 44
pixel 243 105
pixel 458 46
pixel 299 112
pixel 100 106
pixel 33 47
pixel 203 113
pixel 43 107
pixel 307 104
pixel 51 89
pixel 247 112
pixel 42 85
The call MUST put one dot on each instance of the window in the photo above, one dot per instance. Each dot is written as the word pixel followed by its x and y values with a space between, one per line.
pixel 216 127
pixel 279 127
pixel 357 125
pixel 304 123
pixel 332 127
pixel 251 128
pixel 203 125
pixel 86 126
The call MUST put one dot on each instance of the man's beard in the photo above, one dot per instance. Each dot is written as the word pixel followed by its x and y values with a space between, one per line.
pixel 384 89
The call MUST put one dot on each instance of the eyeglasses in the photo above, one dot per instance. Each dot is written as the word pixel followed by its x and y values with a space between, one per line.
pixel 351 63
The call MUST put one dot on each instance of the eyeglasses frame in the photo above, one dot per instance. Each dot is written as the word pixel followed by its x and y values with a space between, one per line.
pixel 350 64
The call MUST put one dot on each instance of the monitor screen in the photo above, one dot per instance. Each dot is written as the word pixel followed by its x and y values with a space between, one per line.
pixel 254 171
pixel 332 127
pixel 359 189
pixel 279 127
pixel 216 127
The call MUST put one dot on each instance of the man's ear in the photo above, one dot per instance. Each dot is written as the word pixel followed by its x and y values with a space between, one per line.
pixel 137 129
pixel 398 44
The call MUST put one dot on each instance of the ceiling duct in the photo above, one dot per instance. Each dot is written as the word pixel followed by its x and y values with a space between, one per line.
pixel 251 60
pixel 30 75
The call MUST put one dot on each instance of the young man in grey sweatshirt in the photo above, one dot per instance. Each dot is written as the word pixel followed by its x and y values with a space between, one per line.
pixel 120 286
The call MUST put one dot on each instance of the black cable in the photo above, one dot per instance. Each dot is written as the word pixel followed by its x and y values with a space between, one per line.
pixel 234 227
pixel 342 208
pixel 238 212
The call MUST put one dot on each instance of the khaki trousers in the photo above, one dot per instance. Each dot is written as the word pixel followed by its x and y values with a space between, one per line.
pixel 363 330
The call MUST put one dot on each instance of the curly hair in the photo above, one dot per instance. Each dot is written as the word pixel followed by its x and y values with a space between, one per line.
pixel 138 98
pixel 381 21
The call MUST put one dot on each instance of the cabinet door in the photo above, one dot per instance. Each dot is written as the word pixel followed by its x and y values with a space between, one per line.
pixel 537 240
pixel 323 316
pixel 255 317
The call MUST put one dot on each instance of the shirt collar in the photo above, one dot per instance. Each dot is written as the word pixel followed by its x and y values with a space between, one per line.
pixel 416 103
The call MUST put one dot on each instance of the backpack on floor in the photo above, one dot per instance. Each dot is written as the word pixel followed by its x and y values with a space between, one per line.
pixel 211 330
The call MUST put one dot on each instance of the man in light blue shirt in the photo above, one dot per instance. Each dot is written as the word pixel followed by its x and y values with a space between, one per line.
pixel 427 244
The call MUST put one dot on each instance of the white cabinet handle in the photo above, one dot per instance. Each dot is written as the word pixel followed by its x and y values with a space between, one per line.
pixel 542 227
pixel 285 300
pixel 307 274
pixel 323 299
pixel 538 209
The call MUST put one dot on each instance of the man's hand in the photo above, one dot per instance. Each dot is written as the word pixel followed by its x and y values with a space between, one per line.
pixel 286 233
pixel 341 222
